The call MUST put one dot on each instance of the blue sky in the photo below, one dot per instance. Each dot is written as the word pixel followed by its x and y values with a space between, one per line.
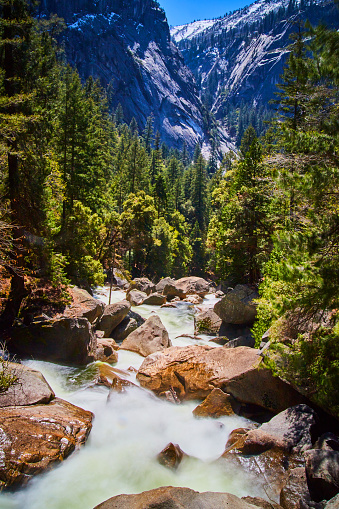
pixel 184 11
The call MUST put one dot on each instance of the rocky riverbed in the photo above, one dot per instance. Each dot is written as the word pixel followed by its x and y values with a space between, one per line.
pixel 159 383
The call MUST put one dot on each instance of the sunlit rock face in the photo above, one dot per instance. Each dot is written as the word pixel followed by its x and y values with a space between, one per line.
pixel 127 45
pixel 239 58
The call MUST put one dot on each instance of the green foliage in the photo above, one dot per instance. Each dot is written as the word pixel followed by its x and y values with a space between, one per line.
pixel 81 242
pixel 8 378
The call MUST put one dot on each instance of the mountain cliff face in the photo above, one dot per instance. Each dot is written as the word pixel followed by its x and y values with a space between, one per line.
pixel 127 44
pixel 239 58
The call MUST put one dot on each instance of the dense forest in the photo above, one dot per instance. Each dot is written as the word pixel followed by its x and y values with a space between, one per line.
pixel 83 192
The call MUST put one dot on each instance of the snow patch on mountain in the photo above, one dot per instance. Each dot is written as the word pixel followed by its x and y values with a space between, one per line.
pixel 191 30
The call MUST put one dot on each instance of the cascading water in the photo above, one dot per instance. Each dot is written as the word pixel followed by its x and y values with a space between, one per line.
pixel 129 430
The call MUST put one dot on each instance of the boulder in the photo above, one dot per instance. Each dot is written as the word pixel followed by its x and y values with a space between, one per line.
pixel 106 350
pixel 33 438
pixel 237 306
pixel 136 298
pixel 207 322
pixel 150 337
pixel 322 470
pixel 143 284
pixel 171 456
pixel 119 279
pixel 217 404
pixel 295 489
pixel 175 498
pixel 83 305
pixel 171 290
pixel 159 288
pixel 289 431
pixel 155 299
pixel 193 285
pixel 129 324
pixel 69 341
pixel 194 371
pixel 194 299
pixel 30 388
pixel 262 503
pixel 112 316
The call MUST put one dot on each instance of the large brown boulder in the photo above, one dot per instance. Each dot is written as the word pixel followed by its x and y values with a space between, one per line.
pixel 175 498
pixel 107 350
pixel 216 404
pixel 155 299
pixel 171 290
pixel 129 324
pixel 136 297
pixel 207 322
pixel 69 341
pixel 162 283
pixel 237 306
pixel 289 431
pixel 30 388
pixel 193 285
pixel 194 371
pixel 83 305
pixel 112 316
pixel 33 438
pixel 150 337
pixel 143 284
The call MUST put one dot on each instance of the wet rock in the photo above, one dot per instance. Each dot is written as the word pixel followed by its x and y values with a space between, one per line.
pixel 150 337
pixel 322 470
pixel 112 316
pixel 106 350
pixel 175 498
pixel 237 306
pixel 83 305
pixel 33 438
pixel 69 341
pixel 159 288
pixel 260 502
pixel 295 489
pixel 155 299
pixel 194 299
pixel 169 305
pixel 207 322
pixel 136 298
pixel 120 385
pixel 194 371
pixel 193 285
pixel 143 284
pixel 30 388
pixel 172 290
pixel 289 431
pixel 216 404
pixel 171 456
pixel 132 321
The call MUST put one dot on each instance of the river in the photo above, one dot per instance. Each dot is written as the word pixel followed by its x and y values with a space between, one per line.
pixel 129 431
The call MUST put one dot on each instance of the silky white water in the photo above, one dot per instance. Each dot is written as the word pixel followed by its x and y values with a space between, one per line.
pixel 129 431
